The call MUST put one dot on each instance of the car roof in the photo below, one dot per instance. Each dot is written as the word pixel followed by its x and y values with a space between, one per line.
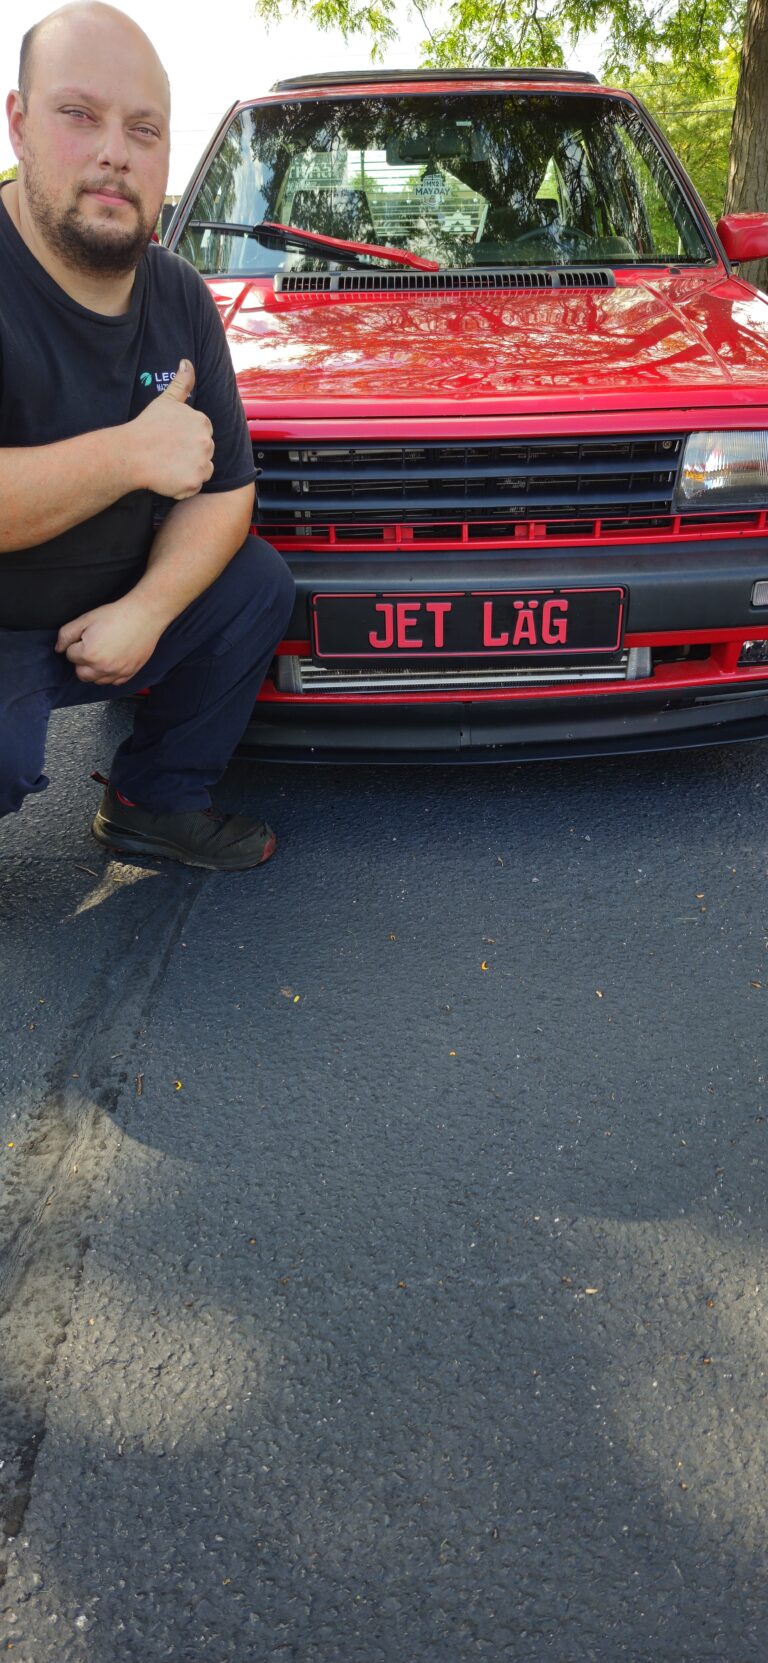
pixel 432 77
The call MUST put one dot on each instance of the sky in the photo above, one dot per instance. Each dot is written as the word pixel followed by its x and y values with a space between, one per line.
pixel 216 52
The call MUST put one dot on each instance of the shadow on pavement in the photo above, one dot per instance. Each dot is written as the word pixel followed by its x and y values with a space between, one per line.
pixel 421 1311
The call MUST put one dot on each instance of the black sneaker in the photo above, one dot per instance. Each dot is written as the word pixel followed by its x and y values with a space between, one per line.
pixel 199 837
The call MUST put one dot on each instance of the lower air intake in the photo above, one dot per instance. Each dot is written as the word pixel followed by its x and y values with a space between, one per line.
pixel 302 675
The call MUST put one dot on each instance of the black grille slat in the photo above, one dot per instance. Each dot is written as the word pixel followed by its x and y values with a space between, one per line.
pixel 466 471
pixel 287 505
pixel 563 478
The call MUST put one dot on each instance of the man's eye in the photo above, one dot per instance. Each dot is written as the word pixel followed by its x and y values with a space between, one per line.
pixel 84 114
pixel 147 132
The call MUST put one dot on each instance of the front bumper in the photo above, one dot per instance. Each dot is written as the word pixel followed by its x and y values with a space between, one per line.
pixel 690 603
pixel 602 726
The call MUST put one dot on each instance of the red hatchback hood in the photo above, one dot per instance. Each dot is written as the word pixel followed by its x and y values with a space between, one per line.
pixel 655 341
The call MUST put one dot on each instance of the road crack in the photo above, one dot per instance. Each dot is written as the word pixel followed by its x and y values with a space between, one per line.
pixel 70 1139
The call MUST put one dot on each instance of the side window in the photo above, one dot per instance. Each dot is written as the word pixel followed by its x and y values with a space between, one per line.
pixel 236 187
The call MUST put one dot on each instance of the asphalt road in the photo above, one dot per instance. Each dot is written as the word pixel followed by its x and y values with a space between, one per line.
pixel 384 1232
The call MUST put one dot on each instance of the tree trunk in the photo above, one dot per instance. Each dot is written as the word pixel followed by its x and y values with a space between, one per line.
pixel 747 191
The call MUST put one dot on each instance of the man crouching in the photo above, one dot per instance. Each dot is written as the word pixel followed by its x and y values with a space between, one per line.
pixel 126 468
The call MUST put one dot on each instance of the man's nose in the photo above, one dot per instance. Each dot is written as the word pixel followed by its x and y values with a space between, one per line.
pixel 113 150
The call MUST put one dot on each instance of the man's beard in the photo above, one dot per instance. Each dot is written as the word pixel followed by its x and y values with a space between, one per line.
pixel 99 249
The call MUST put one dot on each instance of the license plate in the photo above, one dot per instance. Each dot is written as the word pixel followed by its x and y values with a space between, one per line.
pixel 504 623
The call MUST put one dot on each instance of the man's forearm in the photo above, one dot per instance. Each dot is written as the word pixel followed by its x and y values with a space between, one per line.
pixel 47 489
pixel 195 542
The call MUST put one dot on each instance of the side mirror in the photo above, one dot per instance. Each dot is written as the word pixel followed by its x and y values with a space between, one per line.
pixel 744 236
pixel 169 209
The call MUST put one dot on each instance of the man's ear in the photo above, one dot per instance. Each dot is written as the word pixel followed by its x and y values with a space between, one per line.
pixel 15 113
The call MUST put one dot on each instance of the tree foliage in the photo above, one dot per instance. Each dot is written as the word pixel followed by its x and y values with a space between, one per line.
pixel 10 173
pixel 374 19
pixel 699 130
pixel 638 36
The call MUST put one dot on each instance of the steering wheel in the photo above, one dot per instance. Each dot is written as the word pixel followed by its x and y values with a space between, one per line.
pixel 568 234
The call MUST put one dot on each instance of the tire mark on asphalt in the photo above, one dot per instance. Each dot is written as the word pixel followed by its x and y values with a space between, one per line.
pixel 67 1142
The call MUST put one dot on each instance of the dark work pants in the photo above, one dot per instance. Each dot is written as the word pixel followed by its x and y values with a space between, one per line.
pixel 203 677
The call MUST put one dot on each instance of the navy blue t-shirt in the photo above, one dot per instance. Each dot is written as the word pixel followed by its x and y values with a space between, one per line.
pixel 65 370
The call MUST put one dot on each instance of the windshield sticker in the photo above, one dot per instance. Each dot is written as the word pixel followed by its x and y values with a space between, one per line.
pixel 432 186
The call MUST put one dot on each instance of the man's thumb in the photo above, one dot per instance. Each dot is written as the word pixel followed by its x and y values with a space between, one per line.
pixel 183 382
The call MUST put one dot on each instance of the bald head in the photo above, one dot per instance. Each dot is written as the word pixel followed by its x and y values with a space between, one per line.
pixel 90 126
pixel 83 17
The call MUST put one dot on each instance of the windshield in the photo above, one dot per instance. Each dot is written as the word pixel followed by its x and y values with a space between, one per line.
pixel 481 179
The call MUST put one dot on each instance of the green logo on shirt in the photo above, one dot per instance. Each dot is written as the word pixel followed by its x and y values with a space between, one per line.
pixel 160 378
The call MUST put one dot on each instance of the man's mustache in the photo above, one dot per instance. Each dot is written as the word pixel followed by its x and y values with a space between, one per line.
pixel 113 186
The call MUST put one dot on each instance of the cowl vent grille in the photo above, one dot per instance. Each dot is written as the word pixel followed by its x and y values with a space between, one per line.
pixel 439 282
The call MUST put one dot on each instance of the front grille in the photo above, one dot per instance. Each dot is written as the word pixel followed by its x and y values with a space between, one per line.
pixel 564 479
pixel 441 535
pixel 302 675
pixel 440 282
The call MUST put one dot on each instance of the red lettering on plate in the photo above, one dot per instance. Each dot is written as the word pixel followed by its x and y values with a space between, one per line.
pixel 388 637
pixel 489 639
pixel 554 629
pixel 439 609
pixel 407 615
pixel 525 625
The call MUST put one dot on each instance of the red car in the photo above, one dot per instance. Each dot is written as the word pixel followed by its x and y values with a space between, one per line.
pixel 509 403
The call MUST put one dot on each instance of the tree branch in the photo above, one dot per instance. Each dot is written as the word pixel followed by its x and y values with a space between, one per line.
pixel 418 8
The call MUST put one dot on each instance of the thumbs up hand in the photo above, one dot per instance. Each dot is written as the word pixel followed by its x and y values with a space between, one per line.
pixel 174 444
pixel 183 382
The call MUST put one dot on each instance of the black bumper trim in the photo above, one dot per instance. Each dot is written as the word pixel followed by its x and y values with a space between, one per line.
pixel 495 732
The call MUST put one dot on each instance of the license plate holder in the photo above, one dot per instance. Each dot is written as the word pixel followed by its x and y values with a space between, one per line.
pixel 507 624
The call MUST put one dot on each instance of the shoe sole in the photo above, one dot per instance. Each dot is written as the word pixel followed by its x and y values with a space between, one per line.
pixel 122 843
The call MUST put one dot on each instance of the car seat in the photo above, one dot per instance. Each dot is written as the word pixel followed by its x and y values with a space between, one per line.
pixel 334 212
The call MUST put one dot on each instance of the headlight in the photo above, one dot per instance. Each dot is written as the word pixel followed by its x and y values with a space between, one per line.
pixel 721 468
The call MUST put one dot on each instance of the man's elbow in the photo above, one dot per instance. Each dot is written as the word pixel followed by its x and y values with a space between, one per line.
pixel 249 509
pixel 229 514
pixel 243 511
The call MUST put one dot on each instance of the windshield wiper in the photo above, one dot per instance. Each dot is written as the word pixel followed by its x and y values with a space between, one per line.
pixel 314 242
